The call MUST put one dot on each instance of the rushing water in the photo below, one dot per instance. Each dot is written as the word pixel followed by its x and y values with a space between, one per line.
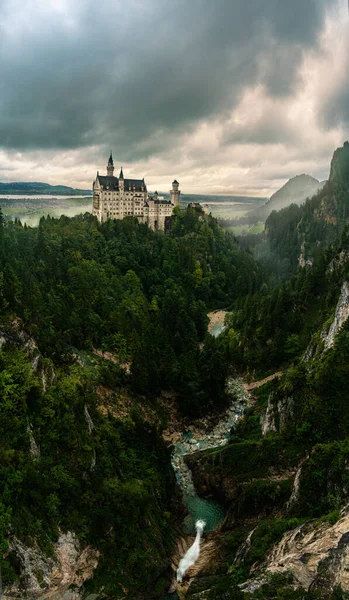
pixel 193 553
pixel 200 508
pixel 217 329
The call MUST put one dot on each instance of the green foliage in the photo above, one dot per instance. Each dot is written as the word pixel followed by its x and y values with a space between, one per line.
pixel 262 497
pixel 141 294
pixel 143 297
pixel 112 484
pixel 324 481
pixel 268 533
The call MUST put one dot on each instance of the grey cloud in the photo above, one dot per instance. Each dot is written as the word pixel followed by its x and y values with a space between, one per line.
pixel 133 75
pixel 272 127
pixel 335 111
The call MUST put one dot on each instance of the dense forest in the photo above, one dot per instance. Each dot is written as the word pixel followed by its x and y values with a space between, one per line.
pixel 73 458
pixel 124 288
pixel 285 468
pixel 67 289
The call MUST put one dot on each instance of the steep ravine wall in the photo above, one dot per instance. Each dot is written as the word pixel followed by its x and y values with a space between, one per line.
pixel 341 315
pixel 70 565
pixel 316 554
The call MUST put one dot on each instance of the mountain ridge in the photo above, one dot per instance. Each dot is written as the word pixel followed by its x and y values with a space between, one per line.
pixel 294 191
pixel 39 187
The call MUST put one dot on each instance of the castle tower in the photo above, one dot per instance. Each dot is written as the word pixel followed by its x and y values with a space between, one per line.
pixel 175 193
pixel 110 166
pixel 121 181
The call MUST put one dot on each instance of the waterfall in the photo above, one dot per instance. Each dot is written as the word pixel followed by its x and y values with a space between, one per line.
pixel 205 513
pixel 90 423
pixel 34 448
pixel 244 548
pixel 191 555
pixel 295 490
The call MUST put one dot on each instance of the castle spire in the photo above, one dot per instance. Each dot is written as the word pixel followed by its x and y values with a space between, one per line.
pixel 121 176
pixel 110 166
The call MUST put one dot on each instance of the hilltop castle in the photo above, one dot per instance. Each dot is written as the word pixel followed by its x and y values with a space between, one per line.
pixel 116 198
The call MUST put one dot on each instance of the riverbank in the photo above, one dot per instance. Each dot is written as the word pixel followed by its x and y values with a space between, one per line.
pixel 199 508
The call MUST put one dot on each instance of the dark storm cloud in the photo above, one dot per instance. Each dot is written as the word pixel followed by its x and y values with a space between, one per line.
pixel 271 127
pixel 335 110
pixel 144 70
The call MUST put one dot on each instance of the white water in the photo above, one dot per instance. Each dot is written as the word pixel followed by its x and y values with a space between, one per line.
pixel 191 555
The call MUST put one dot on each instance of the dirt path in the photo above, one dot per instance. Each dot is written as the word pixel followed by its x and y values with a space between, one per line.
pixel 256 384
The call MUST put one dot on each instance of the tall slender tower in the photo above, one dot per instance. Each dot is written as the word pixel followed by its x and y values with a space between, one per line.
pixel 175 193
pixel 110 166
pixel 121 181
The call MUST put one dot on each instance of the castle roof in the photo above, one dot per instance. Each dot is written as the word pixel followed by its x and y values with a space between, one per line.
pixel 110 161
pixel 112 183
pixel 108 181
pixel 138 183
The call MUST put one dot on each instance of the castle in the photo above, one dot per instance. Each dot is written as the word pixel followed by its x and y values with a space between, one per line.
pixel 116 198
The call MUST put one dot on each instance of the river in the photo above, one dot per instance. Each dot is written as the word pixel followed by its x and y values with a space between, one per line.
pixel 200 508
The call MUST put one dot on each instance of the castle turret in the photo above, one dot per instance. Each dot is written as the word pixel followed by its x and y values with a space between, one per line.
pixel 110 166
pixel 121 180
pixel 96 187
pixel 175 193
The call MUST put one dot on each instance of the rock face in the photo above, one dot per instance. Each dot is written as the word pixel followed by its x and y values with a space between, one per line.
pixel 268 419
pixel 317 555
pixel 276 415
pixel 39 574
pixel 341 315
pixel 339 166
pixel 16 336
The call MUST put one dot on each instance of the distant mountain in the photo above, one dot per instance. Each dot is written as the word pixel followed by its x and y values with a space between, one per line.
pixel 298 233
pixel 295 191
pixel 37 187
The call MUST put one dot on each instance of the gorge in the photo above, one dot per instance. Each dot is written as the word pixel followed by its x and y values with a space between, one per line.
pixel 113 392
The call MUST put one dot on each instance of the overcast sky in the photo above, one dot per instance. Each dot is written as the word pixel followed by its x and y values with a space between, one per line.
pixel 227 96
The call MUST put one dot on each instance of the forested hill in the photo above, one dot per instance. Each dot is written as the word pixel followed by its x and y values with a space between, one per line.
pixel 77 453
pixel 284 475
pixel 297 233
pixel 295 191
pixel 79 284
pixel 37 187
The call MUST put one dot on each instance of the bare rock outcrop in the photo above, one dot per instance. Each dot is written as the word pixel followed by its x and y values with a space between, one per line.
pixel 277 414
pixel 42 576
pixel 316 554
pixel 341 315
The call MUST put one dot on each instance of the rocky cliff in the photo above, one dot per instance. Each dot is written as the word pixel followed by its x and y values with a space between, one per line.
pixel 67 568
pixel 316 554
